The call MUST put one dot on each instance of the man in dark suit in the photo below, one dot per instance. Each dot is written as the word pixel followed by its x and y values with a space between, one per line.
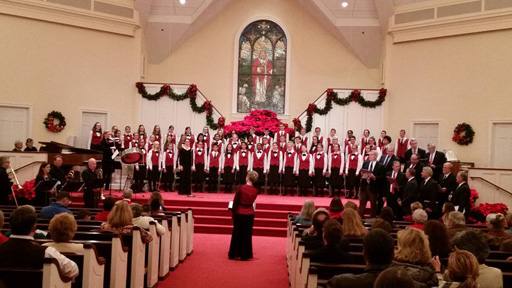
pixel 414 150
pixel 415 164
pixel 428 192
pixel 378 251
pixel 448 184
pixel 371 186
pixel 394 191
pixel 462 195
pixel 21 250
pixel 330 252
pixel 388 158
pixel 410 194
pixel 89 176
pixel 436 160
pixel 5 181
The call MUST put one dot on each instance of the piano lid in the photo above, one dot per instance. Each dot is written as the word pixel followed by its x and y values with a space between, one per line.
pixel 56 147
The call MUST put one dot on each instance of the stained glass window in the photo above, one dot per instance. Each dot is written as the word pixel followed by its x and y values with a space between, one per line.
pixel 262 52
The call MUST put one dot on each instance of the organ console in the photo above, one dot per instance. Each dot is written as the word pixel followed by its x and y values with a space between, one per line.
pixel 71 156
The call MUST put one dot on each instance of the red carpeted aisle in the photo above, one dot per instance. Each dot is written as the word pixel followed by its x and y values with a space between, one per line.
pixel 210 267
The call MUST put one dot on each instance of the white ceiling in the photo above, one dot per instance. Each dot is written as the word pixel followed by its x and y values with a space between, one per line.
pixel 361 26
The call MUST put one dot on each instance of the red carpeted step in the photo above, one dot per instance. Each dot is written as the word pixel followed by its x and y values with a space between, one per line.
pixel 219 220
pixel 204 211
pixel 257 231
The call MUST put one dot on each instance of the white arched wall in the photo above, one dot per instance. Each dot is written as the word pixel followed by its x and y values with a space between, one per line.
pixel 235 64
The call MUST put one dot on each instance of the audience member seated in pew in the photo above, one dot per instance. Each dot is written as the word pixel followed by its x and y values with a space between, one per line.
pixel 158 196
pixel 336 209
pixel 462 270
pixel 509 224
pixel 2 236
pixel 496 235
pixel 414 255
pixel 476 243
pixel 83 214
pixel 60 205
pixel 414 206
pixel 313 238
pixel 506 246
pixel 420 217
pixel 381 224
pixel 20 251
pixel 143 221
pixel 353 224
pixel 62 230
pixel 388 215
pixel 456 223
pixel 156 208
pixel 438 239
pixel 120 221
pixel 331 252
pixel 146 210
pixel 108 204
pixel 38 234
pixel 395 277
pixel 306 214
pixel 351 205
pixel 127 195
pixel 378 251
pixel 448 207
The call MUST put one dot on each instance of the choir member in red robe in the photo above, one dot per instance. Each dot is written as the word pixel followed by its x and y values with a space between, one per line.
pixel 273 167
pixel 212 169
pixel 228 166
pixel 289 167
pixel 335 172
pixel 169 165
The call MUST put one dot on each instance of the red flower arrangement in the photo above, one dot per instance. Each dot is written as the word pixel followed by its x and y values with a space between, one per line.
pixel 221 122
pixel 480 212
pixel 474 195
pixel 26 191
pixel 260 120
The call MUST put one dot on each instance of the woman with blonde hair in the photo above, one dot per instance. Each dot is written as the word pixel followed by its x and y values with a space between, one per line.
pixel 353 225
pixel 120 219
pixel 414 255
pixel 462 271
pixel 306 214
pixel 62 229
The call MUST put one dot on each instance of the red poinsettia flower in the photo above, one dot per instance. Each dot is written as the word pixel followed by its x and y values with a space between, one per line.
pixel 355 95
pixel 140 87
pixel 311 109
pixel 192 91
pixel 297 124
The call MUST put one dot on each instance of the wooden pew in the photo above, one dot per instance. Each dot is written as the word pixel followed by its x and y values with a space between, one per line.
pixel 136 258
pixel 183 236
pixel 49 276
pixel 190 231
pixel 165 247
pixel 153 256
pixel 175 242
pixel 92 267
pixel 327 271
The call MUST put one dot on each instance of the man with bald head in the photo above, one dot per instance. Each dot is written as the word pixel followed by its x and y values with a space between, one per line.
pixel 415 164
pixel 89 176
pixel 371 186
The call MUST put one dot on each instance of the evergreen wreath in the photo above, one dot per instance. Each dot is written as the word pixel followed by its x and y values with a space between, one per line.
pixel 191 94
pixel 49 121
pixel 463 134
pixel 355 96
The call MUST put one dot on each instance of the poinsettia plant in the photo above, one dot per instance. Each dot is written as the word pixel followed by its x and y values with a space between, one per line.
pixel 260 120
pixel 474 195
pixel 480 212
pixel 26 191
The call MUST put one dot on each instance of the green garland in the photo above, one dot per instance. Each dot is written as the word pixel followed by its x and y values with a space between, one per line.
pixel 191 93
pixel 355 96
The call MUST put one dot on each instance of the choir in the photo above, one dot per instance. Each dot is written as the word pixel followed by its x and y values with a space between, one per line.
pixel 285 164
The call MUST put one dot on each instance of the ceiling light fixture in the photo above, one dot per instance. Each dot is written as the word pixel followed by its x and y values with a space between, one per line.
pixel 344 4
pixel 182 2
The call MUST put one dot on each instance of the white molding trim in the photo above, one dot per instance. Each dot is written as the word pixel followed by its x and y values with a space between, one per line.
pixel 427 121
pixel 95 111
pixel 490 138
pixel 30 114
pixel 288 64
pixel 485 21
pixel 71 16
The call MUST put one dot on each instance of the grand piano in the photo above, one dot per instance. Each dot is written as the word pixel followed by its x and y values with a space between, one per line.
pixel 71 156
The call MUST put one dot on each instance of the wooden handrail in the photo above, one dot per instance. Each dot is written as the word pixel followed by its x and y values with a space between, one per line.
pixel 492 169
pixel 492 184
pixel 317 98
pixel 25 166
pixel 181 84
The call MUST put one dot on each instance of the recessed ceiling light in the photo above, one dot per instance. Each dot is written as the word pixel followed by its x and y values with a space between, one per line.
pixel 182 2
pixel 344 4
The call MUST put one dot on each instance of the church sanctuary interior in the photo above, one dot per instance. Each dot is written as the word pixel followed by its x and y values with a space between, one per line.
pixel 255 143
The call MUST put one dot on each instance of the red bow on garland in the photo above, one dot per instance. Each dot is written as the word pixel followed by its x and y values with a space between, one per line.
pixel 382 94
pixel 192 91
pixel 330 94
pixel 311 109
pixel 221 122
pixel 297 124
pixel 355 95
pixel 208 107
pixel 165 89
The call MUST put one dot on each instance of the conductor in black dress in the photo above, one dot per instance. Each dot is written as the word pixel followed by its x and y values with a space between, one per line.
pixel 243 219
pixel 185 166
